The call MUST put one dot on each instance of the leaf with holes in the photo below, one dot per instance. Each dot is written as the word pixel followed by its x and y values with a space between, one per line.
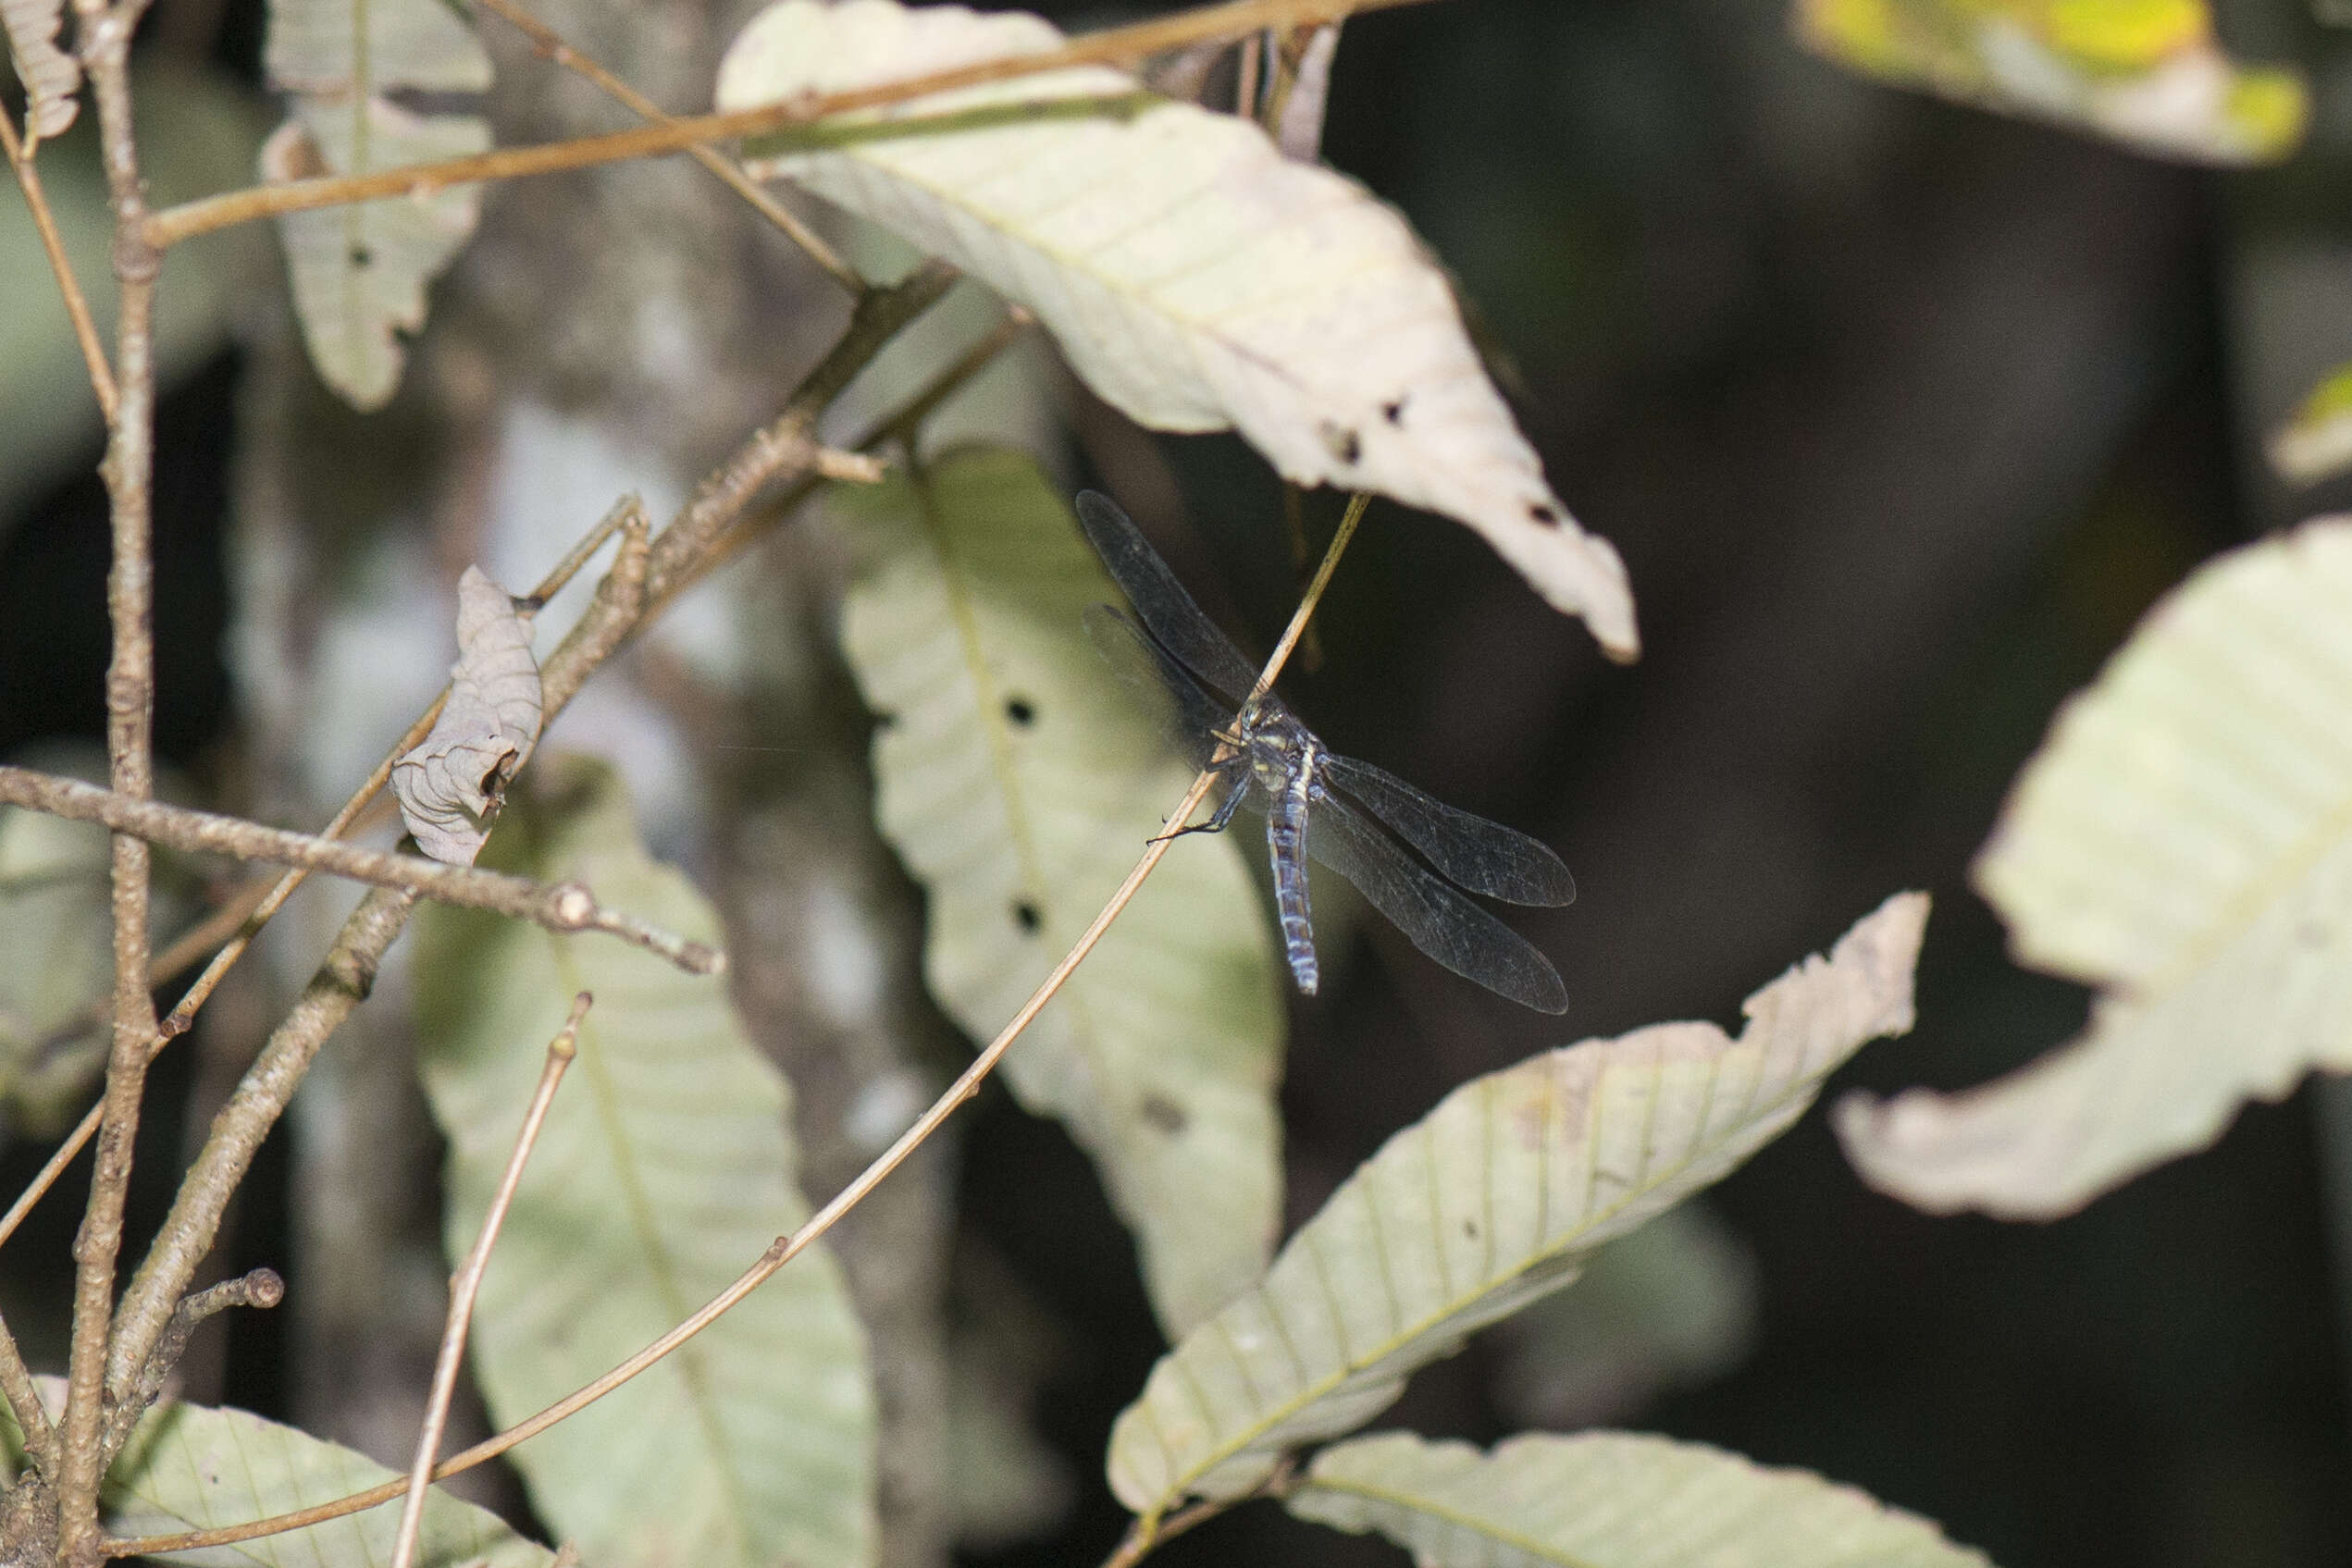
pixel 1607 1500
pixel 2182 840
pixel 191 1467
pixel 664 1169
pixel 1195 277
pixel 1495 1198
pixel 359 272
pixel 1018 780
pixel 447 783
pixel 2149 73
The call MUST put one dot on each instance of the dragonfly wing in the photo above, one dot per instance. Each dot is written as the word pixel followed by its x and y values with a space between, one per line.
pixel 1436 919
pixel 1160 600
pixel 1481 856
pixel 1153 674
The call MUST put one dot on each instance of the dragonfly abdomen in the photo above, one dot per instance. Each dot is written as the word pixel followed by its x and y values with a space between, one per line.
pixel 1286 844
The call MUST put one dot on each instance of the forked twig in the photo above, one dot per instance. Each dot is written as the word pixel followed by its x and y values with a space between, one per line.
pixel 53 244
pixel 785 1248
pixel 626 514
pixel 563 907
pixel 262 1288
pixel 549 43
pixel 1121 45
pixel 783 449
pixel 468 1284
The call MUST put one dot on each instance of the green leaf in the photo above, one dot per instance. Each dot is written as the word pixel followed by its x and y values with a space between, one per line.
pixel 1191 274
pixel 1669 1307
pixel 55 958
pixel 359 272
pixel 2317 441
pixel 191 1467
pixel 1495 1198
pixel 2182 840
pixel 1607 1500
pixel 1020 779
pixel 665 1167
pixel 2147 73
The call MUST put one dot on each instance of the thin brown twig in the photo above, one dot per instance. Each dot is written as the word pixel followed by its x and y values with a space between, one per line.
pixel 550 44
pixel 785 1248
pixel 1121 45
pixel 102 35
pixel 24 1396
pixel 468 1284
pixel 53 243
pixel 564 907
pixel 627 512
pixel 900 426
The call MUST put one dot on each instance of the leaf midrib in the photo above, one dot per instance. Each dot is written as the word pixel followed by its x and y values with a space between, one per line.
pixel 1310 1394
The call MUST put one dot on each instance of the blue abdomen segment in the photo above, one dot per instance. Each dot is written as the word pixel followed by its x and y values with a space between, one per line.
pixel 1286 845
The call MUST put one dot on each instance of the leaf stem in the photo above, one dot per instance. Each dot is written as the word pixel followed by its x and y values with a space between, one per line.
pixel 1112 46
pixel 785 1248
pixel 468 1284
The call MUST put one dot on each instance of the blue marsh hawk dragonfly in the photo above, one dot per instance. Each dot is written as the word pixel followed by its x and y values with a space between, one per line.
pixel 1315 802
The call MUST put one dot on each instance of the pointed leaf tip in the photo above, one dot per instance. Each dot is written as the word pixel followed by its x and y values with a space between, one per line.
pixel 1492 1200
pixel 2182 840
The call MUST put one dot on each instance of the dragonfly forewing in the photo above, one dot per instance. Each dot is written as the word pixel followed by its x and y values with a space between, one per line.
pixel 1481 856
pixel 1433 917
pixel 1160 600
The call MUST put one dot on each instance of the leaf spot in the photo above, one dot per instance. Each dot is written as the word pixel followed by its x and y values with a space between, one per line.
pixel 1020 711
pixel 1544 512
pixel 362 256
pixel 1341 442
pixel 1393 412
pixel 1027 916
pixel 1165 1115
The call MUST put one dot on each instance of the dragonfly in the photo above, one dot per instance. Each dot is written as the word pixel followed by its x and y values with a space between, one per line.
pixel 1346 814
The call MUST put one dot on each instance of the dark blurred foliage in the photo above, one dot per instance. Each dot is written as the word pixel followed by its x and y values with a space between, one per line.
pixel 1900 415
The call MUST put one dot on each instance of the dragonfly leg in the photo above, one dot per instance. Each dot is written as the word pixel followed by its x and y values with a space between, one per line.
pixel 1220 820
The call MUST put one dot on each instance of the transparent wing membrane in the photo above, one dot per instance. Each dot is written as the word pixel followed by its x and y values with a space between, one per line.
pixel 1177 655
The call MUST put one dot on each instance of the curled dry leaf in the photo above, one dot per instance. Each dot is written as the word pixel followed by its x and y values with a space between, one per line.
pixel 1298 118
pixel 1195 277
pixel 1494 1198
pixel 1607 1500
pixel 50 76
pixel 447 787
pixel 2184 841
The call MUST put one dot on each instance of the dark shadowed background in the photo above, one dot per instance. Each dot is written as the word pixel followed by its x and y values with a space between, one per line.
pixel 1900 416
